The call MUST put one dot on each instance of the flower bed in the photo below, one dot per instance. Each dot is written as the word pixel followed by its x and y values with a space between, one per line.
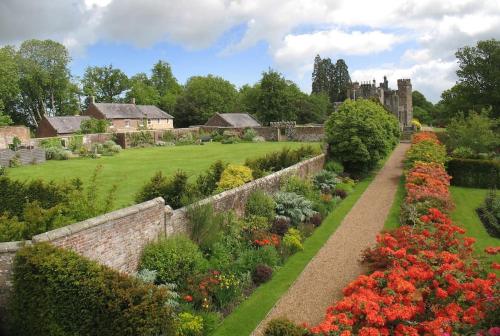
pixel 425 279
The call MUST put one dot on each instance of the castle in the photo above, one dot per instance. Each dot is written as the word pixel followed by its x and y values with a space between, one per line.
pixel 397 101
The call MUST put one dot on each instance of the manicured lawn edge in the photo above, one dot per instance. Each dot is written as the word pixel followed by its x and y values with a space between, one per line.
pixel 392 221
pixel 249 313
pixel 467 200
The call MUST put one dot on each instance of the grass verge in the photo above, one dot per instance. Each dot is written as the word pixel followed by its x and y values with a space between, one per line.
pixel 392 221
pixel 467 200
pixel 249 313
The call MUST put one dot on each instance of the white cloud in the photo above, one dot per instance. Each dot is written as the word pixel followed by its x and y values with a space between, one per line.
pixel 295 30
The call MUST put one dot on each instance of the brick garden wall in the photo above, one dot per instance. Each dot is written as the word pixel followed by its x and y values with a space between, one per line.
pixel 235 199
pixel 7 133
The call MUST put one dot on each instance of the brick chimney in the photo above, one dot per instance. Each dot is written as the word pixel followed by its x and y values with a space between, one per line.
pixel 133 101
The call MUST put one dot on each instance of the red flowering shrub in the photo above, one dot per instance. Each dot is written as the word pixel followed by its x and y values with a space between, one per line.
pixel 421 136
pixel 431 286
pixel 428 181
pixel 425 280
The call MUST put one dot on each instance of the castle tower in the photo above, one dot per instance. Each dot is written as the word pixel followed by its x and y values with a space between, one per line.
pixel 405 102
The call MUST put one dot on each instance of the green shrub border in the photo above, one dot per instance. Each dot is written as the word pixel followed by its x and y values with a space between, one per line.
pixel 252 311
pixel 58 292
pixel 474 173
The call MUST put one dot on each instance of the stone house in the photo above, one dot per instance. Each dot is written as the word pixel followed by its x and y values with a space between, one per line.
pixel 236 120
pixel 55 126
pixel 130 117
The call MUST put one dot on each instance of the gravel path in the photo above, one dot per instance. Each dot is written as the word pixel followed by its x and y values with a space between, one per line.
pixel 321 282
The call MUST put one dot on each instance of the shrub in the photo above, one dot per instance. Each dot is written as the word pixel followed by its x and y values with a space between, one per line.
pixel 58 292
pixel 316 219
pixel 175 259
pixel 250 258
pixel 325 181
pixel 425 151
pixel 260 204
pixel 175 191
pixel 463 153
pixel 489 213
pixel 234 176
pixel 303 187
pixel 292 241
pixel 75 143
pixel 190 325
pixel 185 139
pixel 204 225
pixel 340 193
pixel 93 125
pixel 257 224
pixel 140 139
pixel 474 173
pixel 108 148
pixel 275 161
pixel 261 274
pixel 57 153
pixel 283 327
pixel 293 206
pixel 334 166
pixel 51 143
pixel 206 183
pixel 280 225
pixel 168 136
pixel 428 181
pixel 476 131
pixel 360 133
pixel 249 134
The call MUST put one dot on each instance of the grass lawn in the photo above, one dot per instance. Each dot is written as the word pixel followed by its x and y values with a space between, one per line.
pixel 131 168
pixel 245 318
pixel 392 221
pixel 467 200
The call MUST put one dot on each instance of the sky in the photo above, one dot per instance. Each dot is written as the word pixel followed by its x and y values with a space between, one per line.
pixel 239 39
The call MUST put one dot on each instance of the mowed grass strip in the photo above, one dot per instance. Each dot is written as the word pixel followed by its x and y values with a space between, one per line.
pixel 467 200
pixel 250 312
pixel 132 168
pixel 393 218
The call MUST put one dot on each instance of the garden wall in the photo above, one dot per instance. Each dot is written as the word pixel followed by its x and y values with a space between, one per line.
pixel 122 140
pixel 7 133
pixel 26 156
pixel 235 199
pixel 299 132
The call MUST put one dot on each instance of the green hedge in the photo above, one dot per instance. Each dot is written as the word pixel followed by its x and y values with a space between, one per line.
pixel 474 173
pixel 58 292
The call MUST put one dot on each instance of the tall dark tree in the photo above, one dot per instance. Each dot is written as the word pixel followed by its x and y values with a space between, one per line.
pixel 45 81
pixel 275 99
pixel 105 83
pixel 142 90
pixel 166 85
pixel 423 110
pixel 320 75
pixel 331 79
pixel 340 82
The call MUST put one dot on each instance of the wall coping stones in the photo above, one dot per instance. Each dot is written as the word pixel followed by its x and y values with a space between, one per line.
pixel 96 221
pixel 13 246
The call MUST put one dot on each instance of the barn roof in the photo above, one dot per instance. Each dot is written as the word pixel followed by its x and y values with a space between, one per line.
pixel 66 124
pixel 239 119
pixel 131 111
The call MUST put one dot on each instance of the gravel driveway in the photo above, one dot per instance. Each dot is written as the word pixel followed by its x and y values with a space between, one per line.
pixel 321 282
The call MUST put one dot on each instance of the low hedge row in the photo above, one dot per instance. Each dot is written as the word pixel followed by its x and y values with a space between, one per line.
pixel 58 292
pixel 474 173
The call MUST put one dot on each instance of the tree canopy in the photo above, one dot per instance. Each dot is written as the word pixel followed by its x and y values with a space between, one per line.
pixel 331 79
pixel 106 84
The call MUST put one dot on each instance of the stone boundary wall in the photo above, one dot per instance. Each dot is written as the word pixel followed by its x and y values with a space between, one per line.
pixel 235 199
pixel 7 133
pixel 26 156
pixel 300 132
pixel 88 139
pixel 157 134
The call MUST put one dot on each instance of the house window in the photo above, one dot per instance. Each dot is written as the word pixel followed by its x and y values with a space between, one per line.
pixel 149 121
pixel 127 123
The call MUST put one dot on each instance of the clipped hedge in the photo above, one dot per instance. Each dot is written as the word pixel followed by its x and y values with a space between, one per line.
pixel 58 292
pixel 474 173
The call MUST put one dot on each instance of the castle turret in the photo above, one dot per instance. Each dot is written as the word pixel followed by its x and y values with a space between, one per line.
pixel 405 102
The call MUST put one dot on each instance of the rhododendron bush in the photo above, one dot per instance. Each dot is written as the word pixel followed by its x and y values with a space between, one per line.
pixel 425 279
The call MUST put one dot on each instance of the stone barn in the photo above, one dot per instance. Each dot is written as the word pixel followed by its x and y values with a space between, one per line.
pixel 55 126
